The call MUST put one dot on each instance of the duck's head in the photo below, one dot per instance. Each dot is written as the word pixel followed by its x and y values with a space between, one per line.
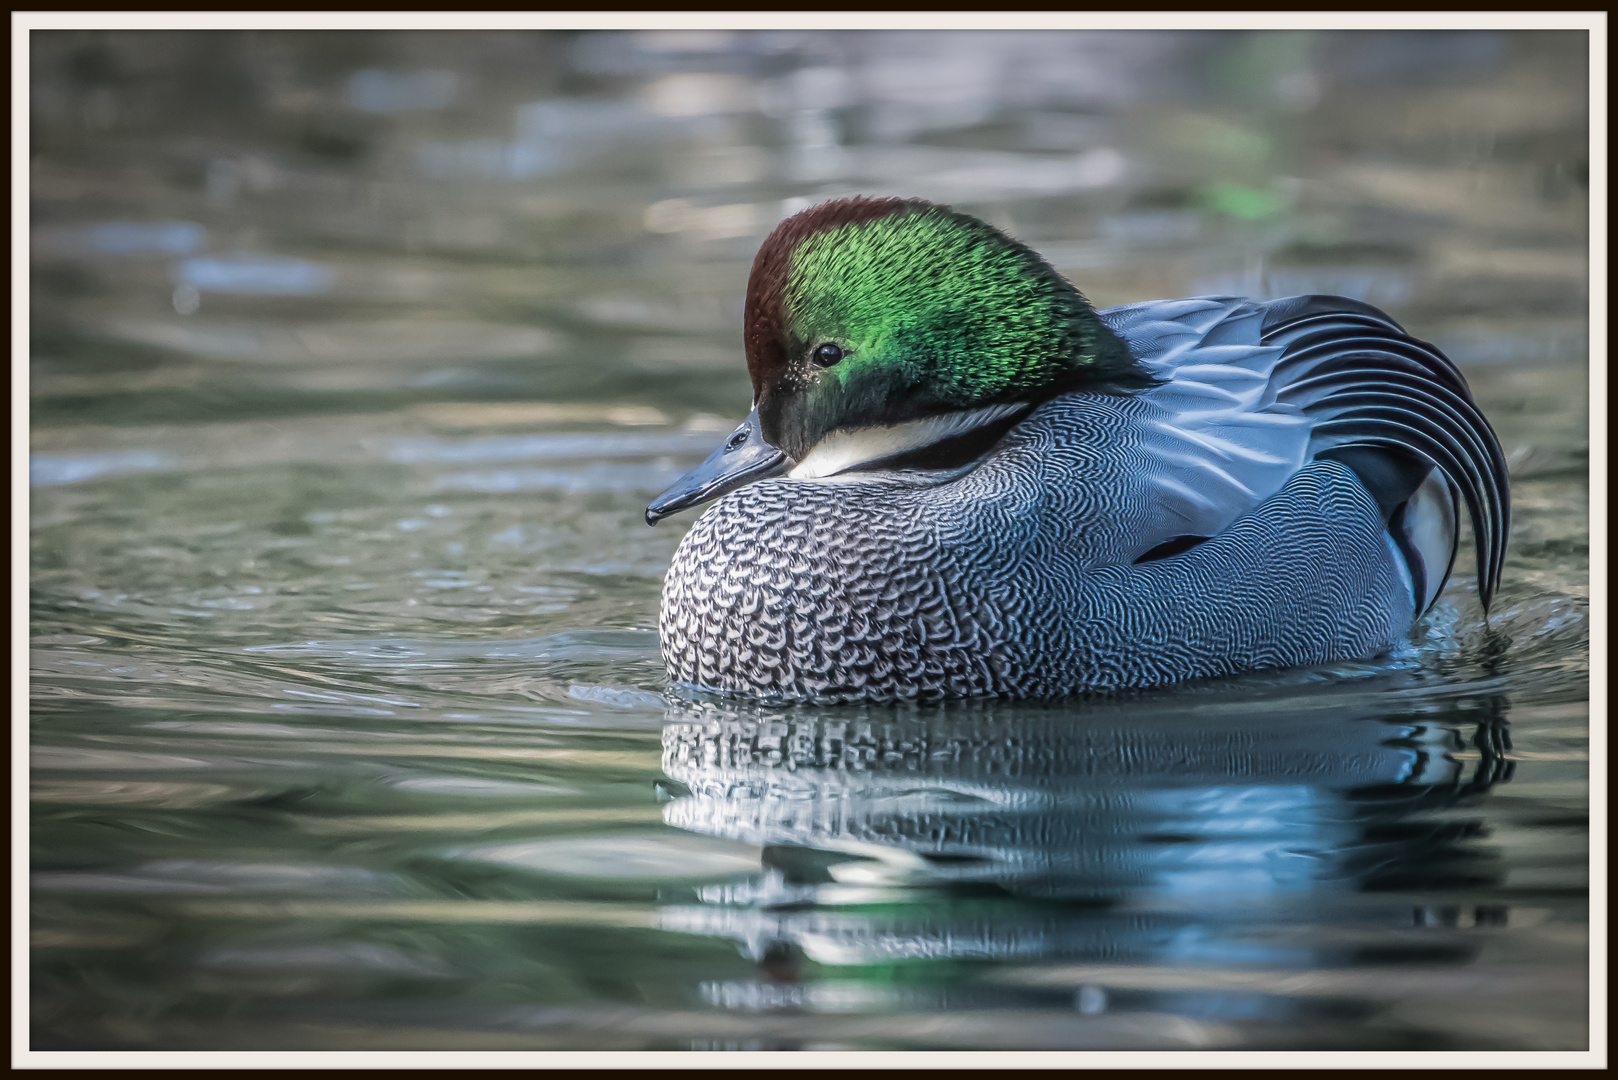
pixel 874 313
pixel 877 328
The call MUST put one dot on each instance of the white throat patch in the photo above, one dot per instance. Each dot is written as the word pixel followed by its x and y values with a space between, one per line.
pixel 843 450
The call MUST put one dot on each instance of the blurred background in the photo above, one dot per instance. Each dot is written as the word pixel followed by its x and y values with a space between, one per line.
pixel 262 224
pixel 355 358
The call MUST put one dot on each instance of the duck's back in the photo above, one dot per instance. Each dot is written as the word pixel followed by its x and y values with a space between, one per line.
pixel 1108 539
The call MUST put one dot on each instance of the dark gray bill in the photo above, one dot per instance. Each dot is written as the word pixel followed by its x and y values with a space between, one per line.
pixel 743 457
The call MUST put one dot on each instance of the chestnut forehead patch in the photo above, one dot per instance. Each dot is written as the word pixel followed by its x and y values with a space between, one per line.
pixel 765 313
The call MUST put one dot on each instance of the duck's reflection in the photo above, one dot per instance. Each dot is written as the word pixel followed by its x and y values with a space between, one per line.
pixel 1247 834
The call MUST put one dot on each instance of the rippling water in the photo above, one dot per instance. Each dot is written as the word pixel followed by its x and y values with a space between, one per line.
pixel 355 361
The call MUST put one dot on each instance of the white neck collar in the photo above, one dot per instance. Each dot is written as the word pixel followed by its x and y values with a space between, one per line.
pixel 843 450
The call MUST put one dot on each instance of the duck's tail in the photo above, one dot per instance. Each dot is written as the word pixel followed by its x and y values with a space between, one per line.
pixel 1392 407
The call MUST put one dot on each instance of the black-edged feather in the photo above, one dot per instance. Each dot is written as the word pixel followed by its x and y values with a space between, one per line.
pixel 1366 382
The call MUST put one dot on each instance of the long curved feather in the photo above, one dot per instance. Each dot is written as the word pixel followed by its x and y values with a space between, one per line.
pixel 1369 383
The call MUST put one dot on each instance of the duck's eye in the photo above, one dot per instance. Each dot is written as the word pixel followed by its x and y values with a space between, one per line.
pixel 828 354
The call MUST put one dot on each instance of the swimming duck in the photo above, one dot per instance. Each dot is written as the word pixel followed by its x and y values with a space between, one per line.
pixel 960 479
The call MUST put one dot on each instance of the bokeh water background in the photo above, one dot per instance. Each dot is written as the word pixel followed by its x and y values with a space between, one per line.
pixel 355 358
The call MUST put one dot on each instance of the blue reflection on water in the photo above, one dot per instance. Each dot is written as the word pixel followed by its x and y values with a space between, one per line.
pixel 142 238
pixel 264 275
pixel 44 469
pixel 1173 839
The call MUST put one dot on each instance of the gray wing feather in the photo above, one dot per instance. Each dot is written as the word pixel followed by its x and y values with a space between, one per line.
pixel 1211 441
pixel 1258 389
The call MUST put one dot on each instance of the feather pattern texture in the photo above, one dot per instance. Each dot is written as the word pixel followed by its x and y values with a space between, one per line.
pixel 1019 577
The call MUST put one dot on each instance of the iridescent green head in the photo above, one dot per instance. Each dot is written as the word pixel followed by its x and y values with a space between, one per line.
pixel 865 313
